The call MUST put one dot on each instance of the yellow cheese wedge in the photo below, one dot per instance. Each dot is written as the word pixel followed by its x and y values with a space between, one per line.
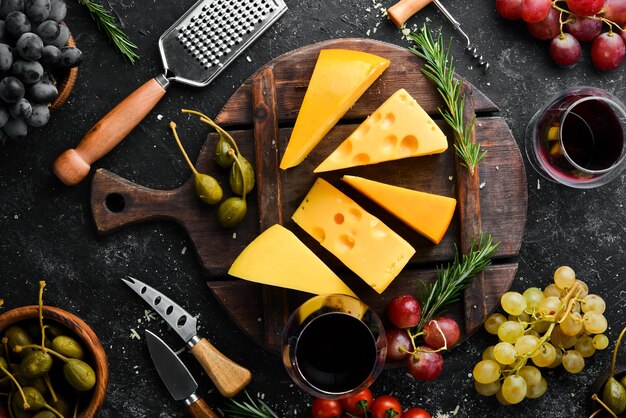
pixel 340 77
pixel 361 241
pixel 428 214
pixel 277 257
pixel 399 128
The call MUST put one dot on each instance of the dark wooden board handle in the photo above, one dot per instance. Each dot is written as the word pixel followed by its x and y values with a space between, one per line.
pixel 116 202
pixel 73 165
pixel 269 180
pixel 470 230
pixel 229 377
pixel 200 409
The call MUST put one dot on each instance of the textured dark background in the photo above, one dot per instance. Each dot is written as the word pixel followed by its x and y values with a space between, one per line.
pixel 46 229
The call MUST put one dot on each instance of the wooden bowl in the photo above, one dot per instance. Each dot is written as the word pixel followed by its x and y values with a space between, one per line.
pixel 598 387
pixel 65 82
pixel 90 342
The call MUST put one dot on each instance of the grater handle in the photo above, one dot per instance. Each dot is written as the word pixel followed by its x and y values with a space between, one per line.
pixel 72 166
pixel 404 9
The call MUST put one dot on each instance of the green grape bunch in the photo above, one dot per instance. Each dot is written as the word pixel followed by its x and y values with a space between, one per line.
pixel 561 325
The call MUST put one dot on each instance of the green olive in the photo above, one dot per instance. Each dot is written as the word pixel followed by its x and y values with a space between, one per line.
pixel 223 157
pixel 68 347
pixel 17 406
pixel 231 211
pixel 17 336
pixel 207 188
pixel 236 179
pixel 79 375
pixel 35 364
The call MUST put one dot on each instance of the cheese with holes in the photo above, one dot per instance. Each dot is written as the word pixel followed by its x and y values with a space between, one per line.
pixel 340 77
pixel 277 257
pixel 361 241
pixel 399 128
pixel 428 214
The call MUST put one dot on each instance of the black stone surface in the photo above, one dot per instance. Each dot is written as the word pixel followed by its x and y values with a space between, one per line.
pixel 46 229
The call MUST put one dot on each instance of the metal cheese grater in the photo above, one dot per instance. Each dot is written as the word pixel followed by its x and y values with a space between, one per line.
pixel 211 35
pixel 194 50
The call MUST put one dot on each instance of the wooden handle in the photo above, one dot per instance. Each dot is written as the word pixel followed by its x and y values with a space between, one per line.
pixel 404 9
pixel 200 409
pixel 116 202
pixel 229 377
pixel 72 166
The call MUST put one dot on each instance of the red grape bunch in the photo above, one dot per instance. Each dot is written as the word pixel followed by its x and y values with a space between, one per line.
pixel 561 325
pixel 423 360
pixel 567 23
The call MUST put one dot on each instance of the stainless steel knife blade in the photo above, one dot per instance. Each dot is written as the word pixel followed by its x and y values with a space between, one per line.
pixel 179 319
pixel 174 374
pixel 176 377
pixel 229 377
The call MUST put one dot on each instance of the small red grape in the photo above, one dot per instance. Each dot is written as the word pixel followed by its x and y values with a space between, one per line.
pixel 565 50
pixel 608 51
pixel 509 9
pixel 404 311
pixel 584 29
pixel 398 343
pixel 585 7
pixel 615 11
pixel 425 366
pixel 448 329
pixel 534 11
pixel 548 28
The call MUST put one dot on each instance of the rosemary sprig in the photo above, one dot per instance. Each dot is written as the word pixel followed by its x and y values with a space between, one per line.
pixel 439 68
pixel 107 24
pixel 454 278
pixel 251 409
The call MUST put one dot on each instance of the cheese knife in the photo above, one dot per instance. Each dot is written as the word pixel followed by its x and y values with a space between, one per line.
pixel 228 376
pixel 176 377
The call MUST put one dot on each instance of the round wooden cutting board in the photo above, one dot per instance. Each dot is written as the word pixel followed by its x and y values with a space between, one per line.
pixel 260 115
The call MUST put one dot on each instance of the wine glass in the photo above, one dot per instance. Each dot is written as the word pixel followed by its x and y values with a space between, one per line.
pixel 334 346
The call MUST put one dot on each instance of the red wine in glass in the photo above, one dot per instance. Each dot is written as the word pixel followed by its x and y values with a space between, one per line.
pixel 578 138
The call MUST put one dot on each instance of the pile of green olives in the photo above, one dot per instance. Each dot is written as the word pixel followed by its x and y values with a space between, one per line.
pixel 232 210
pixel 43 373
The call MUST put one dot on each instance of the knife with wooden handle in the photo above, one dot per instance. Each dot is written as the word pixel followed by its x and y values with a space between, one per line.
pixel 176 377
pixel 229 377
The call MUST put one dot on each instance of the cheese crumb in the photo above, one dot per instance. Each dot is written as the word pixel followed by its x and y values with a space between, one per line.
pixel 450 178
pixel 497 168
pixel 234 235
pixel 368 32
pixel 134 335
pixel 184 250
pixel 456 410
pixel 538 184
pixel 159 117
pixel 149 315
pixel 248 59
pixel 482 185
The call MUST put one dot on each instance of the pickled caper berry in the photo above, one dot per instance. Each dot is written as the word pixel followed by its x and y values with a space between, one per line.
pixel 17 336
pixel 35 364
pixel 240 173
pixel 207 188
pixel 68 347
pixel 79 375
pixel 224 153
pixel 231 211
pixel 34 398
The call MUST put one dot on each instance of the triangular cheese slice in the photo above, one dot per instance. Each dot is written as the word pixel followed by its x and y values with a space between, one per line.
pixel 361 241
pixel 428 214
pixel 340 77
pixel 277 257
pixel 399 128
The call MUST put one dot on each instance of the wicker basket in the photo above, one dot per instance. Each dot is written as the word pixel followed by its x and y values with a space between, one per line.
pixel 65 82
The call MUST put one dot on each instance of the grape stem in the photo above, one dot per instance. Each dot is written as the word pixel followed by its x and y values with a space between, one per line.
pixel 602 19
pixel 615 350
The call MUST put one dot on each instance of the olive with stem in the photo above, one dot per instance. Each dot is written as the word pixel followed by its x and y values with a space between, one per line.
pixel 232 210
pixel 207 188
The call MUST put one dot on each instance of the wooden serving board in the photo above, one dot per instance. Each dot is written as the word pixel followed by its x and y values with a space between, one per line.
pixel 260 115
